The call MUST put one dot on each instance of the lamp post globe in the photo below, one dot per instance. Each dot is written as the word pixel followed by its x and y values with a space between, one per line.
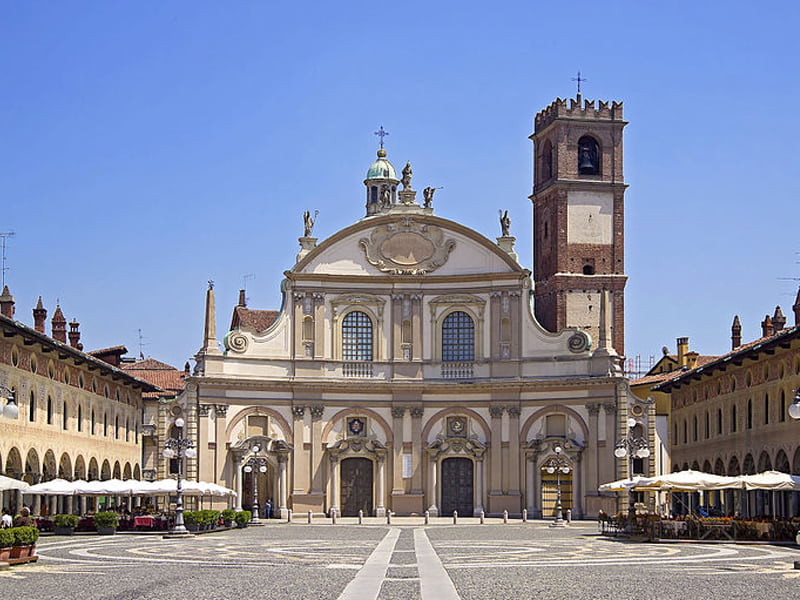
pixel 10 410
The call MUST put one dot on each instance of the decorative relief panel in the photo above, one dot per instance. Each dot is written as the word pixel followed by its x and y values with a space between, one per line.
pixel 407 247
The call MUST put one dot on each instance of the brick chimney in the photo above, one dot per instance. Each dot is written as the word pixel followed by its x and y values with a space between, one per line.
pixel 75 335
pixel 766 327
pixel 691 359
pixel 39 316
pixel 58 326
pixel 7 303
pixel 778 320
pixel 683 348
pixel 242 298
pixel 736 333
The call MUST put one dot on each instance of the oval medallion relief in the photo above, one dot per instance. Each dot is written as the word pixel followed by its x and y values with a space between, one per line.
pixel 407 248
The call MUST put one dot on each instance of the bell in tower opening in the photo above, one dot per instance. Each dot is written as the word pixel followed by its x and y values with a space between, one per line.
pixel 588 156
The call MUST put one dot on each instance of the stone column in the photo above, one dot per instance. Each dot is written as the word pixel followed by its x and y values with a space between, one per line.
pixel 237 475
pixel 316 449
pixel 433 489
pixel 205 459
pixel 283 458
pixel 220 451
pixel 380 508
pixel 416 450
pixel 514 486
pixel 478 486
pixel 334 459
pixel 591 462
pixel 578 504
pixel 605 471
pixel 398 486
pixel 496 452
pixel 300 462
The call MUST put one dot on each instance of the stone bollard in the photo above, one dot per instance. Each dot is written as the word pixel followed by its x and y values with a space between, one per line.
pixel 524 515
pixel 310 517
pixel 455 517
pixel 483 517
pixel 289 516
pixel 388 517
pixel 360 517
pixel 569 515
pixel 333 517
pixel 505 517
pixel 427 517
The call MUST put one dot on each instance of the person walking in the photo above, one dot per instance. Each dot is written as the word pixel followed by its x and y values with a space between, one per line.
pixel 6 521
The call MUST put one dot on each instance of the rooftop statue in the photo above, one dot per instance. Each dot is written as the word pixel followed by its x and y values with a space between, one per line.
pixel 427 194
pixel 308 222
pixel 505 222
pixel 406 179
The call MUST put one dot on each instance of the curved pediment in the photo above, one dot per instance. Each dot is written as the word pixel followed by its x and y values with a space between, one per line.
pixel 407 245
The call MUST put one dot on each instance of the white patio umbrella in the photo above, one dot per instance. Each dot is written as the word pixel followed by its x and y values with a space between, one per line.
pixel 54 487
pixel 771 480
pixel 688 480
pixel 621 485
pixel 9 483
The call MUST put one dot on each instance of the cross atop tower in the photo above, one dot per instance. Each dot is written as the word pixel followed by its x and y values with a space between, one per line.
pixel 381 133
pixel 579 79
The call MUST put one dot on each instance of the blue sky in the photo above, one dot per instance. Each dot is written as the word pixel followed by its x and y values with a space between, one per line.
pixel 149 147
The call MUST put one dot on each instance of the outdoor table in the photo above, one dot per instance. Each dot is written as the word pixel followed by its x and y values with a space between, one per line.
pixel 724 528
pixel 144 522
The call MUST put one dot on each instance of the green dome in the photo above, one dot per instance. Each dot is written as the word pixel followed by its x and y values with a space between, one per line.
pixel 381 168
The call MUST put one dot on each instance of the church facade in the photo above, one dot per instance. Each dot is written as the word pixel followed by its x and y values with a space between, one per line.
pixel 416 365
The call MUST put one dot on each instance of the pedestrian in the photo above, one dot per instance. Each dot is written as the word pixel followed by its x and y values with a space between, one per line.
pixel 6 520
pixel 268 509
pixel 23 518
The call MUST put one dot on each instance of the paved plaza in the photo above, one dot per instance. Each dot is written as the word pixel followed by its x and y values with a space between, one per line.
pixel 404 560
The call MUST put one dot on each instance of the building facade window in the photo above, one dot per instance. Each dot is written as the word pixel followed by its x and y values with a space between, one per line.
pixel 64 416
pixel 458 337
pixel 49 410
pixel 357 336
pixel 32 408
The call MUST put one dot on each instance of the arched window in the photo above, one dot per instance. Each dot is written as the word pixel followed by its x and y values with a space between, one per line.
pixel 116 428
pixel 32 408
pixel 749 420
pixel 93 422
pixel 685 428
pixel 694 428
pixel 105 424
pixel 49 410
pixel 64 416
pixel 707 429
pixel 458 337
pixel 80 418
pixel 357 336
pixel 547 161
pixel 766 409
pixel 733 419
pixel 719 421
pixel 588 156
pixel 782 412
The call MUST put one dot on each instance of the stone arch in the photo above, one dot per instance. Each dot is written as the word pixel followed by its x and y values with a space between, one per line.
pixel 80 467
pixel 764 462
pixel 137 473
pixel 553 408
pixel 719 467
pixel 117 473
pixel 105 470
pixel 126 472
pixel 93 471
pixel 695 466
pixel 49 467
pixel 706 466
pixel 13 464
pixel 782 462
pixel 749 465
pixel 438 416
pixel 65 466
pixel 796 462
pixel 283 424
pixel 387 430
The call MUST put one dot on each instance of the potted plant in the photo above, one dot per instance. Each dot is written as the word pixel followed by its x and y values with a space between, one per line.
pixel 65 524
pixel 191 519
pixel 24 541
pixel 242 518
pixel 106 522
pixel 228 515
pixel 6 541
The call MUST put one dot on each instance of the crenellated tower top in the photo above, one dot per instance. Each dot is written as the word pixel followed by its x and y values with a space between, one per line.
pixel 578 108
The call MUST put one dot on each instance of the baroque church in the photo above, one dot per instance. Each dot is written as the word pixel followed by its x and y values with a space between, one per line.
pixel 416 365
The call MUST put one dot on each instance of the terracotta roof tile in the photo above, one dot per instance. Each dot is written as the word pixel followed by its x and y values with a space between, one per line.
pixel 165 376
pixel 259 320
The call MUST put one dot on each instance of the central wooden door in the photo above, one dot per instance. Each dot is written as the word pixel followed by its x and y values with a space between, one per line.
pixel 356 477
pixel 457 490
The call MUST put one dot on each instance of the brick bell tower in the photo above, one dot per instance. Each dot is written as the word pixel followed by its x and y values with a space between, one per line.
pixel 578 216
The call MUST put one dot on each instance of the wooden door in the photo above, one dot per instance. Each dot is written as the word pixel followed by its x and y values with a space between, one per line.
pixel 457 487
pixel 356 492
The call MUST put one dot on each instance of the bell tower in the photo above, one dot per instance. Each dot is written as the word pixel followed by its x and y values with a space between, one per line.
pixel 578 216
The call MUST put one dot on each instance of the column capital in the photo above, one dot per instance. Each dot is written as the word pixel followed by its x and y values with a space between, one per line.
pixel 316 411
pixel 416 412
pixel 298 411
pixel 513 411
pixel 610 407
pixel 593 408
pixel 221 410
pixel 496 411
pixel 283 457
pixel 203 409
pixel 398 411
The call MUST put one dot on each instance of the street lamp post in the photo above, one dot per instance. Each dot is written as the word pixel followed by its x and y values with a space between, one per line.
pixel 10 410
pixel 632 447
pixel 558 464
pixel 255 465
pixel 794 407
pixel 179 447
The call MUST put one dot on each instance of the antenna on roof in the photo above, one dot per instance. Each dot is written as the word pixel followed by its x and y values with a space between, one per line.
pixel 142 344
pixel 244 283
pixel 4 236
